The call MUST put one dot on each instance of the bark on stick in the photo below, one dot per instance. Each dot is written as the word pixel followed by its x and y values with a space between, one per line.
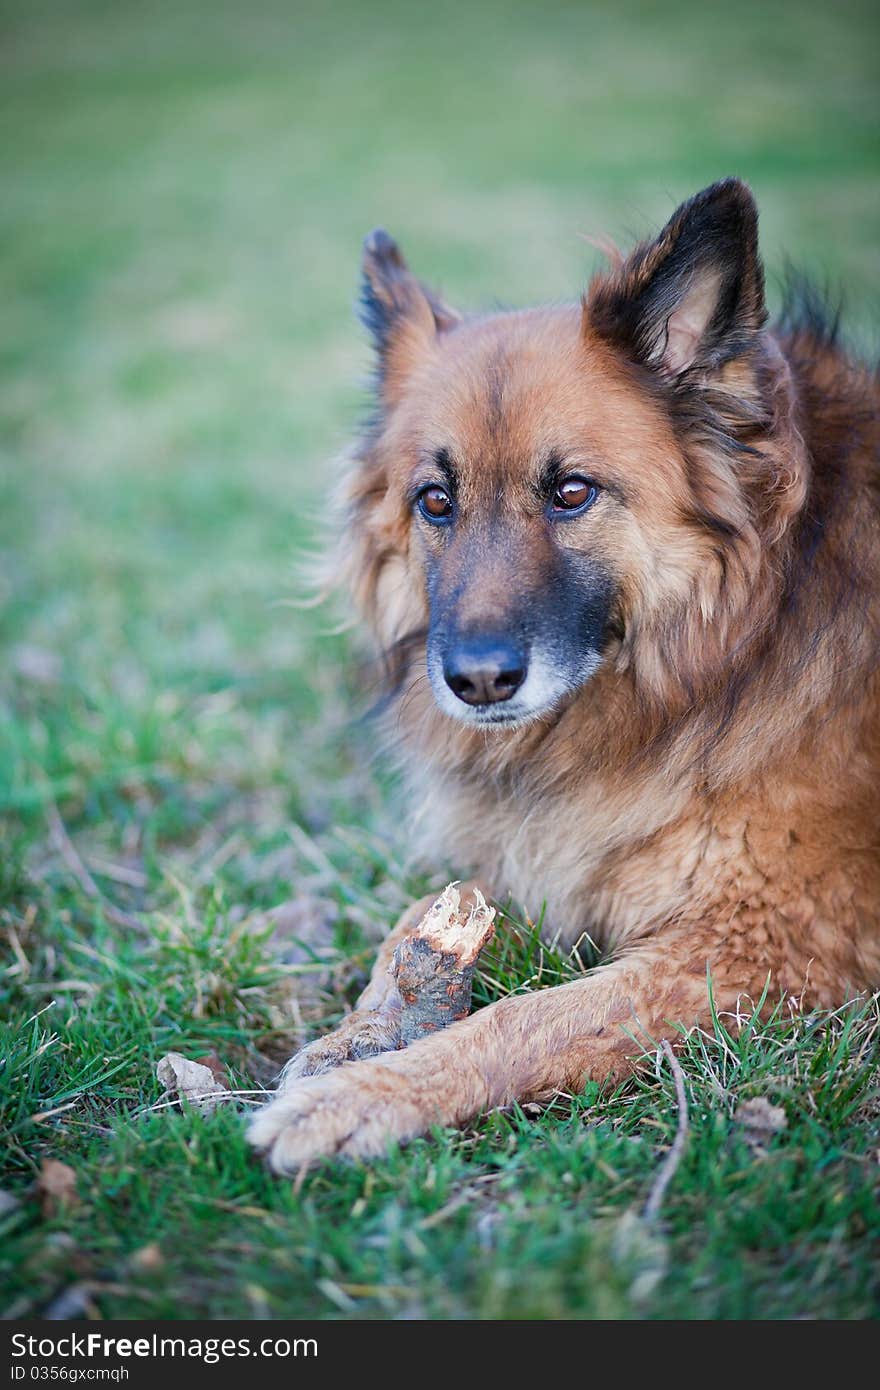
pixel 434 968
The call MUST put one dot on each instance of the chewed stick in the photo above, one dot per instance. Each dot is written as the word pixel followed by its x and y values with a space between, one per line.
pixel 434 967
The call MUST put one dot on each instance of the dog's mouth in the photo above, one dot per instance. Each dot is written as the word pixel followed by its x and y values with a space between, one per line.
pixel 489 718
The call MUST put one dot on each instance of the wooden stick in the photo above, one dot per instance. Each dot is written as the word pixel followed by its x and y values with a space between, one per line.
pixel 434 967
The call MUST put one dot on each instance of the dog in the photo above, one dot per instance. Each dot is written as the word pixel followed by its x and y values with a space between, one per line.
pixel 623 560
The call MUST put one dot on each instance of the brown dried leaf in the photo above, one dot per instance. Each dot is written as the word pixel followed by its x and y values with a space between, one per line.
pixel 56 1186
pixel 532 1110
pixel 215 1067
pixel 760 1119
pixel 147 1258
pixel 190 1081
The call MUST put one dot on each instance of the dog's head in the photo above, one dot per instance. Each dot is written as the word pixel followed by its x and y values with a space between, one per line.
pixel 548 491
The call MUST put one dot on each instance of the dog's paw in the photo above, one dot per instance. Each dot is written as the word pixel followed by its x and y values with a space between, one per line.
pixel 355 1112
pixel 363 1033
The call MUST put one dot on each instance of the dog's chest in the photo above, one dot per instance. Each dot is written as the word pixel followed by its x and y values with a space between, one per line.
pixel 597 859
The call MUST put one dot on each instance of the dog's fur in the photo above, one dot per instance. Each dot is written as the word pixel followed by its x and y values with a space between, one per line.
pixel 690 769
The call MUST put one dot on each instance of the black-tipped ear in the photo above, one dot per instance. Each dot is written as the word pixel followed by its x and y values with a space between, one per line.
pixel 395 305
pixel 694 297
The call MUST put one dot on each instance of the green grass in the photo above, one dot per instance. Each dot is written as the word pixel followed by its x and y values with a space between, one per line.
pixel 185 189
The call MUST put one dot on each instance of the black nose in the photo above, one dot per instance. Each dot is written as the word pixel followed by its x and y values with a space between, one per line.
pixel 484 670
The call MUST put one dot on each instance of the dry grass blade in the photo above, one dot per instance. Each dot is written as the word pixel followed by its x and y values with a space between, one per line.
pixel 66 848
pixel 673 1158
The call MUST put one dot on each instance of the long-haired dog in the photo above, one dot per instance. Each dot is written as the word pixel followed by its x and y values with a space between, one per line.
pixel 624 558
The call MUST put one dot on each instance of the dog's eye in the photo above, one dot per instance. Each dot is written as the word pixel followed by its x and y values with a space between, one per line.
pixel 574 494
pixel 435 504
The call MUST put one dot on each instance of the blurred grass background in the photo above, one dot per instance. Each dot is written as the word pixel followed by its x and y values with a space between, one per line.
pixel 185 187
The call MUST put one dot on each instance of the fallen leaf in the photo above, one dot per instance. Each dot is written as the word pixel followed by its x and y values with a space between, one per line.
pixel 189 1081
pixel 215 1067
pixel 760 1117
pixel 56 1186
pixel 147 1258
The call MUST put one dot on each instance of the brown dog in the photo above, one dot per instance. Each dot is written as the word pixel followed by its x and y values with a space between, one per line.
pixel 624 560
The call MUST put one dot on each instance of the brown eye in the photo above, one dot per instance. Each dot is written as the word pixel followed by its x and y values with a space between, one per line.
pixel 574 494
pixel 435 504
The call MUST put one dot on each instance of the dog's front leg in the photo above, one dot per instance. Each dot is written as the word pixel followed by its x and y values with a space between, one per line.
pixel 524 1047
pixel 373 1026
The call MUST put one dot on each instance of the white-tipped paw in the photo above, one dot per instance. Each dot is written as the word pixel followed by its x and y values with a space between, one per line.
pixel 355 1112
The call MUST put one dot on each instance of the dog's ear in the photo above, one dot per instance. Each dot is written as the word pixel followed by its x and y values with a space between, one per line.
pixel 693 298
pixel 402 315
